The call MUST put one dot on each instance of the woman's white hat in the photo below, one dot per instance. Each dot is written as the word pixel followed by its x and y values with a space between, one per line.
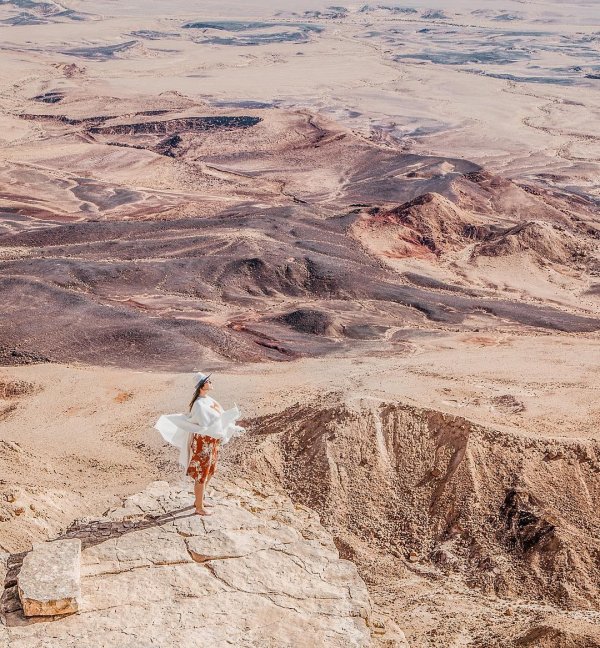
pixel 200 378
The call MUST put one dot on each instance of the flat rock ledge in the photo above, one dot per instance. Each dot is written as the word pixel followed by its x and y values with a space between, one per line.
pixel 49 579
pixel 260 572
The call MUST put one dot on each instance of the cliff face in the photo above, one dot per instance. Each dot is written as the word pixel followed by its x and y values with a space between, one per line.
pixel 415 496
pixel 511 512
pixel 259 572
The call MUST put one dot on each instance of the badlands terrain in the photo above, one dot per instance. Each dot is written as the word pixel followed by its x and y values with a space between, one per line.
pixel 378 225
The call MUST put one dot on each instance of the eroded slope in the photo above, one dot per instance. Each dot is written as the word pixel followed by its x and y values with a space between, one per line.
pixel 411 492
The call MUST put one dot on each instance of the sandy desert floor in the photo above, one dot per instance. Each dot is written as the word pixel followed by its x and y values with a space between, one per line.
pixel 377 224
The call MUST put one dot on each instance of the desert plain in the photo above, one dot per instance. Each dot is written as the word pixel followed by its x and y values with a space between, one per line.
pixel 377 225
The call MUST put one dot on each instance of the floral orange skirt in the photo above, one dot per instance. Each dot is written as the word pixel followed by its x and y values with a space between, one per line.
pixel 204 452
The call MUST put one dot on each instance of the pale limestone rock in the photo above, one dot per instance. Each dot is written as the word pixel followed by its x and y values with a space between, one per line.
pixel 145 503
pixel 290 581
pixel 3 565
pixel 158 489
pixel 49 580
pixel 134 549
pixel 3 573
pixel 158 499
pixel 191 525
pixel 388 633
pixel 227 544
pixel 130 512
pixel 232 517
pixel 262 584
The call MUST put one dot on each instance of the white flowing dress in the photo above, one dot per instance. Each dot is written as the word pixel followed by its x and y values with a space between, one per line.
pixel 207 418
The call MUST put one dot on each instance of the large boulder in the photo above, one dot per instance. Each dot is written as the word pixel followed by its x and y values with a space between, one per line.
pixel 49 580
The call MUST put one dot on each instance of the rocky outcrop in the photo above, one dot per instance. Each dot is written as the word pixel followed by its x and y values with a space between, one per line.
pixel 424 227
pixel 259 572
pixel 215 122
pixel 544 241
pixel 310 320
pixel 49 580
pixel 557 632
pixel 50 97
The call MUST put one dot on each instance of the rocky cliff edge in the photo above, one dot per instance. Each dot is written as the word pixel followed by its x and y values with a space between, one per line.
pixel 259 572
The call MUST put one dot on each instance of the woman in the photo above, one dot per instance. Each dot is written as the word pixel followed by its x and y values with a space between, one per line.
pixel 199 434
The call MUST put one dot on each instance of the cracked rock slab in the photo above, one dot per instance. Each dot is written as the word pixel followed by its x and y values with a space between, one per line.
pixel 49 580
pixel 135 549
pixel 218 545
pixel 245 576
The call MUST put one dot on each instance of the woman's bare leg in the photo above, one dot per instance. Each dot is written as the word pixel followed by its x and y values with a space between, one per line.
pixel 210 475
pixel 206 488
pixel 199 494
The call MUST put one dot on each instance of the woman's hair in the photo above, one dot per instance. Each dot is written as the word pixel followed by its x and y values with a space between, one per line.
pixel 196 394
